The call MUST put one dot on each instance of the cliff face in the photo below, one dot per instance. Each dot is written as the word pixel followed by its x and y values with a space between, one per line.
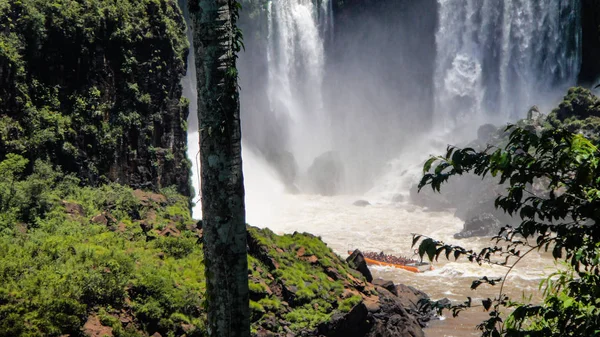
pixel 590 68
pixel 94 86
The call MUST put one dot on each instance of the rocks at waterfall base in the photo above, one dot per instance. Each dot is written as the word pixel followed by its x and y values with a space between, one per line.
pixel 485 224
pixel 326 174
pixel 473 199
pixel 286 167
pixel 361 203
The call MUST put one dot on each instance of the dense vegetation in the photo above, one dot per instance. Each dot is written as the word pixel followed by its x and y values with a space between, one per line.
pixel 562 218
pixel 77 260
pixel 94 85
pixel 69 251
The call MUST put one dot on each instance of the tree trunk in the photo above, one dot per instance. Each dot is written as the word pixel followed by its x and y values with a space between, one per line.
pixel 222 188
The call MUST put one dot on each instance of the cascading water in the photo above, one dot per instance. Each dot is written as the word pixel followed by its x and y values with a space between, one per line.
pixel 296 66
pixel 190 91
pixel 495 59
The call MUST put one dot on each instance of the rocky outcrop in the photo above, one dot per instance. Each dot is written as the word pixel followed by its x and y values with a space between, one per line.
pixel 381 316
pixel 284 268
pixel 590 21
pixel 95 88
pixel 356 260
pixel 326 174
pixel 482 225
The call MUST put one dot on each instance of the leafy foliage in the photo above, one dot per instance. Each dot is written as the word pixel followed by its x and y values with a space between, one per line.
pixel 561 217
pixel 58 266
pixel 94 85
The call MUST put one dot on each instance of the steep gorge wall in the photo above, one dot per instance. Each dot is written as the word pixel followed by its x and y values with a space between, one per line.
pixel 590 68
pixel 94 86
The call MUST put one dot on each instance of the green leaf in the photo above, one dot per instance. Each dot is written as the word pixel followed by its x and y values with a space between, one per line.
pixel 415 239
pixel 428 163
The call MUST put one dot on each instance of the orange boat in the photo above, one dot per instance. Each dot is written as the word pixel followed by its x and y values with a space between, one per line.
pixel 416 267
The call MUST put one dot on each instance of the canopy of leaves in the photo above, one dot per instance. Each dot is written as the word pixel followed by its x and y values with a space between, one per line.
pixel 562 218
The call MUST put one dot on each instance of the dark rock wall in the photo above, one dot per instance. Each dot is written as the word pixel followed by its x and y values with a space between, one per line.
pixel 94 86
pixel 590 68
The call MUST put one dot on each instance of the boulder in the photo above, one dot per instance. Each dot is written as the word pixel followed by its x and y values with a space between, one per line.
pixel 356 260
pixel 413 299
pixel 486 132
pixel 326 174
pixel 382 316
pixel 286 167
pixel 361 203
pixel 398 198
pixel 485 224
pixel 386 284
pixel 73 208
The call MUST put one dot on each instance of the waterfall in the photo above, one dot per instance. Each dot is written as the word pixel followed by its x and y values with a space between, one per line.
pixel 296 66
pixel 190 92
pixel 372 95
pixel 495 59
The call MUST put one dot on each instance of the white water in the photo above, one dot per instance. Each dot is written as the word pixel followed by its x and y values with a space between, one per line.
pixel 296 61
pixel 498 58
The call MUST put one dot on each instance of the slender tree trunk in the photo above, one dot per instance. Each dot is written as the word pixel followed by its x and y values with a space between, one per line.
pixel 222 188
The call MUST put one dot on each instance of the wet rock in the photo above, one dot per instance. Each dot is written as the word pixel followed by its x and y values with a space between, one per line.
pixel 361 203
pixel 486 132
pixel 351 324
pixel 389 285
pixel 380 316
pixel 483 225
pixel 356 260
pixel 534 114
pixel 413 301
pixel 326 174
pixel 398 198
pixel 286 167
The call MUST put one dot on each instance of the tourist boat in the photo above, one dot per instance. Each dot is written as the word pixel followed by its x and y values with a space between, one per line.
pixel 415 267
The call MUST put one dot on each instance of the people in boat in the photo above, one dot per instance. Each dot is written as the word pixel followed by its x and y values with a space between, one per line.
pixel 388 258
